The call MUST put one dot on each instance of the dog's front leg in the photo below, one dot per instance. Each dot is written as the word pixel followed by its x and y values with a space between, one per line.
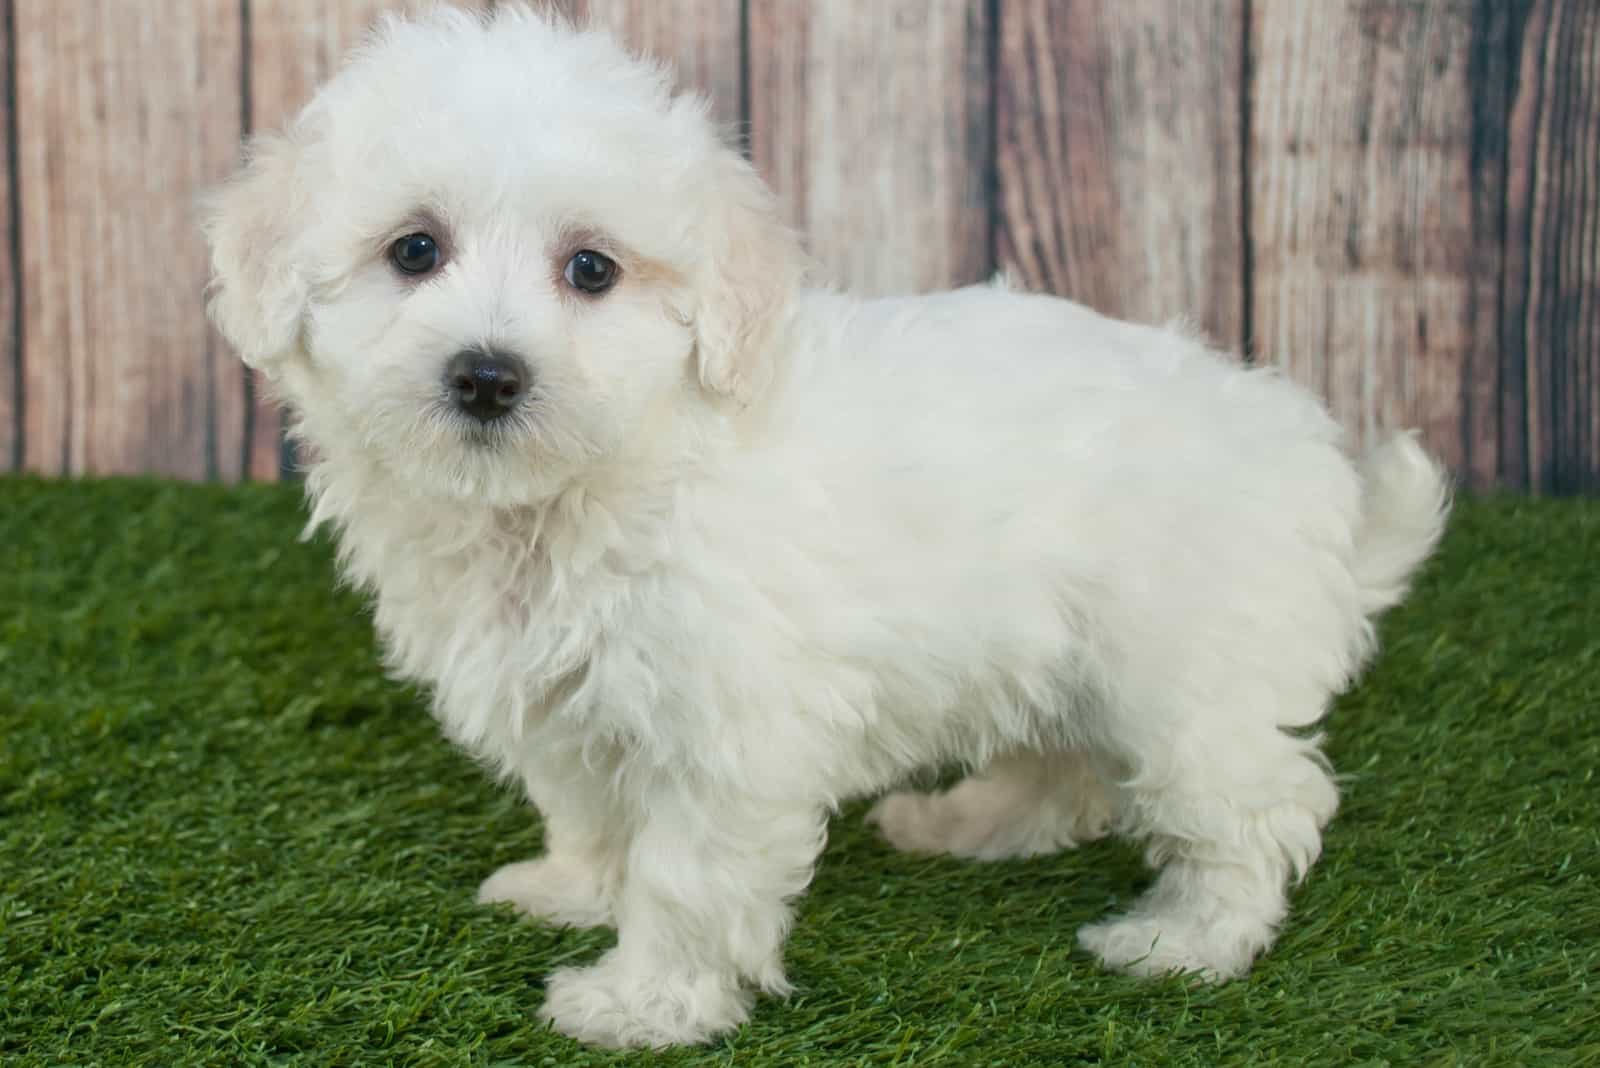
pixel 701 917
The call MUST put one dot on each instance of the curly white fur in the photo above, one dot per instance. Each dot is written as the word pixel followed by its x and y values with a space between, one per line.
pixel 752 548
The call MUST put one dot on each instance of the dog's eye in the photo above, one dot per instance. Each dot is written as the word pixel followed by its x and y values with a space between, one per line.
pixel 591 272
pixel 415 253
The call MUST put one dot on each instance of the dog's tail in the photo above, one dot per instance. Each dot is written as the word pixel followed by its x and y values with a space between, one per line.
pixel 1404 503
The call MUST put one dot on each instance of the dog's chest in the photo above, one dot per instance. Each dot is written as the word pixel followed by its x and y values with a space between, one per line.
pixel 493 629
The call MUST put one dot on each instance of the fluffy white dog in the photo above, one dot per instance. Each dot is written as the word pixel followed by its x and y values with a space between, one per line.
pixel 696 552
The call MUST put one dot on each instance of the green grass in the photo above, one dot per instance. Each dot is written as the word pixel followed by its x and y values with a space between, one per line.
pixel 225 839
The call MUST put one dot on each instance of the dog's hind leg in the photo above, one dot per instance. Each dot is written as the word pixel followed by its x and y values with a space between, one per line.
pixel 1021 805
pixel 1230 820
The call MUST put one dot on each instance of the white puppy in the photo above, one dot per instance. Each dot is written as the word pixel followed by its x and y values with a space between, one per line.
pixel 695 552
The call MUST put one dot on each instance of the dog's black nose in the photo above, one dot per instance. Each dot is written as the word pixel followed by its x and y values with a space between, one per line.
pixel 485 385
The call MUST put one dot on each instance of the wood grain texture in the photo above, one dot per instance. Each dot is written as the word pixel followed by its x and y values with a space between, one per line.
pixel 10 334
pixel 1551 308
pixel 1397 200
pixel 1365 251
pixel 701 38
pixel 1120 166
pixel 123 115
pixel 1496 33
pixel 872 121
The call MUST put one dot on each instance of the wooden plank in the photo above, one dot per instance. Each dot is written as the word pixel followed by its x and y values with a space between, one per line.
pixel 1552 273
pixel 1367 249
pixel 701 38
pixel 10 351
pixel 873 123
pixel 1120 163
pixel 122 117
pixel 1489 380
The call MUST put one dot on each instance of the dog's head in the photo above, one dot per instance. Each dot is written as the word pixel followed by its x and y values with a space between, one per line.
pixel 491 250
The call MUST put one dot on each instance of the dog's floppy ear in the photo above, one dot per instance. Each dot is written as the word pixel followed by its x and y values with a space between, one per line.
pixel 752 268
pixel 257 294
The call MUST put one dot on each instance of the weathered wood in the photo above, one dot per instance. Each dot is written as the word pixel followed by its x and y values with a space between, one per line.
pixel 700 37
pixel 1418 238
pixel 123 115
pixel 10 351
pixel 1552 273
pixel 1366 256
pixel 1120 167
pixel 872 121
pixel 1496 31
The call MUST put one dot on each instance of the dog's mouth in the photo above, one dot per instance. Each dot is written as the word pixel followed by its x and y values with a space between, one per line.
pixel 486 437
pixel 510 460
pixel 479 435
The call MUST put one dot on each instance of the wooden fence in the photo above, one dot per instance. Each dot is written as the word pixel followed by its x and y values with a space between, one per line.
pixel 1397 200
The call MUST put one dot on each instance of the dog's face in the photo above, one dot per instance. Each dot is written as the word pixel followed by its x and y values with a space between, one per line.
pixel 489 253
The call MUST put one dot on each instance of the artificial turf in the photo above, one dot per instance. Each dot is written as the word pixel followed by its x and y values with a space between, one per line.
pixel 226 839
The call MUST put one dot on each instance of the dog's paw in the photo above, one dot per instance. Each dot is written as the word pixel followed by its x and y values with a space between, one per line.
pixel 912 823
pixel 609 1005
pixel 558 890
pixel 986 821
pixel 1151 945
